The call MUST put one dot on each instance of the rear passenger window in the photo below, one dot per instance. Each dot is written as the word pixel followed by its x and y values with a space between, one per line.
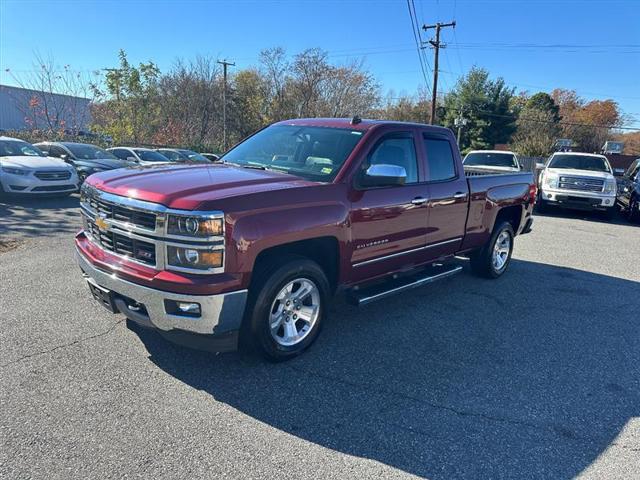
pixel 439 160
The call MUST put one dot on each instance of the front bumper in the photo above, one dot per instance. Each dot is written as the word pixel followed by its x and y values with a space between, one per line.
pixel 29 184
pixel 216 329
pixel 578 199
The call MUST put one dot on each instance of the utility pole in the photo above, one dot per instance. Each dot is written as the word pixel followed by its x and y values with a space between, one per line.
pixel 224 64
pixel 436 46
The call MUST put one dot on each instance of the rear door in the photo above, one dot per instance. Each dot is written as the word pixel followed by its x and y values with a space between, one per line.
pixel 448 195
pixel 388 224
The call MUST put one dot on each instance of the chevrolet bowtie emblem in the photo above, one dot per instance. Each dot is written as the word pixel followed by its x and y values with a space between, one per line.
pixel 101 222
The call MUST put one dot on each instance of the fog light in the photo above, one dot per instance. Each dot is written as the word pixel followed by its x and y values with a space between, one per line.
pixel 193 308
pixel 607 202
pixel 183 309
pixel 549 196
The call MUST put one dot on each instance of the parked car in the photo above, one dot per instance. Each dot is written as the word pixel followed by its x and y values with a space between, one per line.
pixel 87 159
pixel 211 156
pixel 25 169
pixel 628 197
pixel 140 156
pixel 496 160
pixel 183 155
pixel 582 181
pixel 298 211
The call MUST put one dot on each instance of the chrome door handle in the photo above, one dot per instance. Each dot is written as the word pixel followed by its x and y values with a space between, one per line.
pixel 418 200
pixel 460 195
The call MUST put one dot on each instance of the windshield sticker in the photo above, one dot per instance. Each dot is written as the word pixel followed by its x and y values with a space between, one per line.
pixel 356 133
pixel 327 170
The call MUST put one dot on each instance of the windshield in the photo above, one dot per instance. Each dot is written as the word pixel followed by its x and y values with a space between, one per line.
pixel 580 162
pixel 16 148
pixel 491 159
pixel 89 152
pixel 193 156
pixel 150 156
pixel 313 153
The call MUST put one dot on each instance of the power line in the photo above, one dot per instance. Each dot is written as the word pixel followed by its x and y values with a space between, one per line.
pixel 416 37
pixel 536 120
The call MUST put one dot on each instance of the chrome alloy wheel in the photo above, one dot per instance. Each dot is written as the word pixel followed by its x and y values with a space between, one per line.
pixel 501 251
pixel 294 312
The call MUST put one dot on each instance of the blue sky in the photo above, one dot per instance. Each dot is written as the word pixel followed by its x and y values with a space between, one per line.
pixel 596 44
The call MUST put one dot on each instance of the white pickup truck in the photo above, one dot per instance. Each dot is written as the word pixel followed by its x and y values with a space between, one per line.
pixel 581 181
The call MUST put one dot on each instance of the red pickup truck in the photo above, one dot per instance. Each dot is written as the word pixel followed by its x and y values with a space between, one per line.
pixel 254 248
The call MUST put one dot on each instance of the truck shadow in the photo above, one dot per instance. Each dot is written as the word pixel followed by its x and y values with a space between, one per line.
pixel 23 217
pixel 533 375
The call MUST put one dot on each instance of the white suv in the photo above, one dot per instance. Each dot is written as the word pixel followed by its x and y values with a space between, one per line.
pixel 582 181
pixel 24 169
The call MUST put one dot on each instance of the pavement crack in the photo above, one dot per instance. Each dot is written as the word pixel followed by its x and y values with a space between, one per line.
pixel 554 429
pixel 66 345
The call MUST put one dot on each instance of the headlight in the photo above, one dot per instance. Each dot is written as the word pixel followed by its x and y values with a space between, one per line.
pixel 610 185
pixel 550 180
pixel 192 258
pixel 194 226
pixel 15 171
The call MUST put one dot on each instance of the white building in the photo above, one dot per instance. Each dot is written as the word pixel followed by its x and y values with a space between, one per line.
pixel 21 109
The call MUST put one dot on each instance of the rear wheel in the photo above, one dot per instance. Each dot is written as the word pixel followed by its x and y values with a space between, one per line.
pixel 287 307
pixel 494 258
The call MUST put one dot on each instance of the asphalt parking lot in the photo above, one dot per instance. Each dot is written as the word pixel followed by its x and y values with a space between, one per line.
pixel 535 375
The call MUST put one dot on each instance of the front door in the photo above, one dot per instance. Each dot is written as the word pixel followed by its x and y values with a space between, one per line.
pixel 388 224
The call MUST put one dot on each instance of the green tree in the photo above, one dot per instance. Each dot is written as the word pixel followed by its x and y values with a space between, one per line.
pixel 544 102
pixel 485 103
pixel 130 107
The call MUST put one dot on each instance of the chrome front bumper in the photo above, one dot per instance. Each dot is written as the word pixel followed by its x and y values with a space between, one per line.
pixel 219 313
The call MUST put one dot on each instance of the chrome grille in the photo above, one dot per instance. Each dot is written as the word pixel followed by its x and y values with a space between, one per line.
pixel 119 213
pixel 53 175
pixel 141 251
pixel 581 183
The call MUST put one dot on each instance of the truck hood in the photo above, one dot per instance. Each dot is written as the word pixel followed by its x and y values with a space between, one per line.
pixel 189 186
pixel 579 173
pixel 33 162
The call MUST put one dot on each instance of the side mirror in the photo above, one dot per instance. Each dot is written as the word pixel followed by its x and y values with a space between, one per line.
pixel 132 159
pixel 384 175
pixel 64 157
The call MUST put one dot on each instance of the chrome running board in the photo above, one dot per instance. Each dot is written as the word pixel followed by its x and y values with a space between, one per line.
pixel 392 287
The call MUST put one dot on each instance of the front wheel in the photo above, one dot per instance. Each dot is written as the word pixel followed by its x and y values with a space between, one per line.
pixel 494 258
pixel 287 307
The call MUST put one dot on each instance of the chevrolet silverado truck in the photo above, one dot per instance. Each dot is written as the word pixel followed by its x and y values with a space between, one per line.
pixel 254 248
pixel 581 181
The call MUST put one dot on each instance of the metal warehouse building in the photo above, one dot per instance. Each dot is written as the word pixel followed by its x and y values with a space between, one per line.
pixel 21 108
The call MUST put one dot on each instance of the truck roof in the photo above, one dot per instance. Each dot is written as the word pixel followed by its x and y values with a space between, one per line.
pixel 363 125
pixel 582 154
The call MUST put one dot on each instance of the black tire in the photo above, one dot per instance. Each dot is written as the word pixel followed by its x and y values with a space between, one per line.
pixel 270 279
pixel 482 261
pixel 610 213
pixel 542 206
pixel 632 212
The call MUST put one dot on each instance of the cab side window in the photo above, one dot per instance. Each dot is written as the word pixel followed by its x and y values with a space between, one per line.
pixel 121 153
pixel 396 149
pixel 55 151
pixel 440 161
